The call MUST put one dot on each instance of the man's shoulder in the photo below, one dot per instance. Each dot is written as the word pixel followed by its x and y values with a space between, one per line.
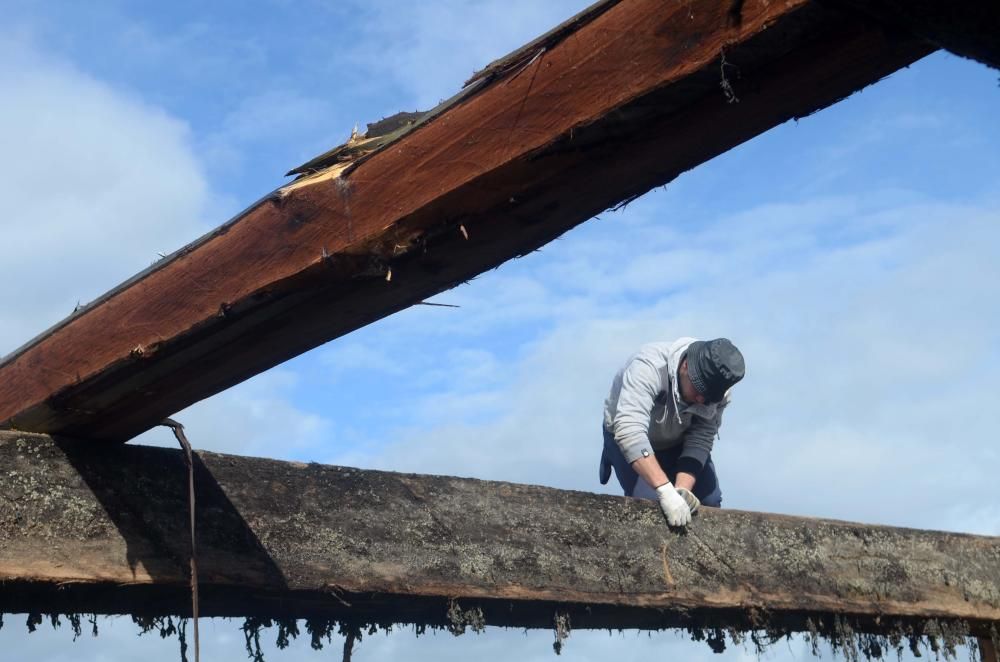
pixel 653 352
pixel 662 349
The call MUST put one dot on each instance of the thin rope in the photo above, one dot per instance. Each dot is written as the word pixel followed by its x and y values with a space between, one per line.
pixel 349 645
pixel 178 430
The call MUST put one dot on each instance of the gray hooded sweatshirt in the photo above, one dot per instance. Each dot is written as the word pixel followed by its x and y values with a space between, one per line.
pixel 645 412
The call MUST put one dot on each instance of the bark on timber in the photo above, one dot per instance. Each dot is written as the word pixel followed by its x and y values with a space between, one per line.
pixel 103 530
pixel 534 147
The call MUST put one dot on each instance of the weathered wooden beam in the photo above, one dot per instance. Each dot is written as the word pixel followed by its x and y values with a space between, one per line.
pixel 969 28
pixel 621 100
pixel 104 530
pixel 987 650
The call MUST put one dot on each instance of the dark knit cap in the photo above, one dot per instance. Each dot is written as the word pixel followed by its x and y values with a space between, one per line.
pixel 714 366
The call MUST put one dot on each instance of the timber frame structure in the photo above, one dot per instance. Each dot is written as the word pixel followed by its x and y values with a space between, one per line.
pixel 616 101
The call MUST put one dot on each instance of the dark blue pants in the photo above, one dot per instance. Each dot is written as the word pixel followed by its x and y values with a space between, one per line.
pixel 706 486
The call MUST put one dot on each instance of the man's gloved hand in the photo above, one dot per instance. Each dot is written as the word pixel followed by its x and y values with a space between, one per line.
pixel 689 498
pixel 673 505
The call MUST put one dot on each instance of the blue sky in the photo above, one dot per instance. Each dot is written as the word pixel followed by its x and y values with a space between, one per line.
pixel 851 255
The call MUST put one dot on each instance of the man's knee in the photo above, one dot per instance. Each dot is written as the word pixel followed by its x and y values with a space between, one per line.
pixel 707 486
pixel 713 499
pixel 626 475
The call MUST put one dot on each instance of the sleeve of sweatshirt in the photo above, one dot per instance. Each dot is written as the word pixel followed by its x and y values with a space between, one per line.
pixel 640 384
pixel 698 441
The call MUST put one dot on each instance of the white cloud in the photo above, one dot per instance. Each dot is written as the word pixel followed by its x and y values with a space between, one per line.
pixel 350 355
pixel 432 48
pixel 270 122
pixel 256 417
pixel 95 184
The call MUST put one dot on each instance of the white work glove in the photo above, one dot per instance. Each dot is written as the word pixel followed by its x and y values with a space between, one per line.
pixel 673 505
pixel 692 501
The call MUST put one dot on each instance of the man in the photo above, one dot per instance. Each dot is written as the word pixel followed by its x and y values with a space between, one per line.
pixel 661 419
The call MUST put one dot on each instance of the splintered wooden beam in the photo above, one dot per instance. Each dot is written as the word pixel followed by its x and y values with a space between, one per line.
pixel 970 28
pixel 105 530
pixel 621 99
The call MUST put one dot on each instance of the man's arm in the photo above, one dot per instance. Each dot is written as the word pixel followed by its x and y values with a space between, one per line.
pixel 640 384
pixel 685 480
pixel 675 506
pixel 698 445
pixel 650 471
pixel 698 441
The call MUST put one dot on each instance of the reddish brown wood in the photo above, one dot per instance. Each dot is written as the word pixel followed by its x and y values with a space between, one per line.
pixel 969 28
pixel 987 650
pixel 625 102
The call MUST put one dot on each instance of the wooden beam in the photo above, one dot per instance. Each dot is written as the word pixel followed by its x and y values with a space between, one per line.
pixel 987 650
pixel 965 27
pixel 624 99
pixel 104 530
